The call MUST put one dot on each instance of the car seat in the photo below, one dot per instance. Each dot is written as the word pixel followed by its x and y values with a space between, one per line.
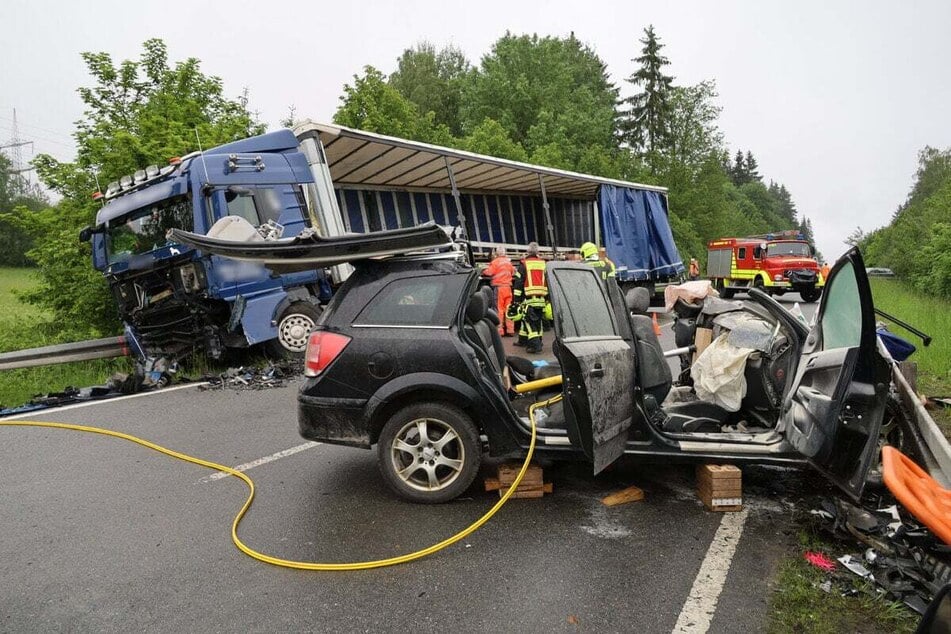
pixel 486 332
pixel 653 373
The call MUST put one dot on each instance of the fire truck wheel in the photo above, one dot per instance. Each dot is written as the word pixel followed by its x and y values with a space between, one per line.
pixel 727 293
pixel 810 295
pixel 758 285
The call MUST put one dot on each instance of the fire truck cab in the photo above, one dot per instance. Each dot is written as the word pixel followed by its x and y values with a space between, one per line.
pixel 773 263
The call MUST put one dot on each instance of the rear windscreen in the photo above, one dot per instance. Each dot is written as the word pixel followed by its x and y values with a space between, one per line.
pixel 416 301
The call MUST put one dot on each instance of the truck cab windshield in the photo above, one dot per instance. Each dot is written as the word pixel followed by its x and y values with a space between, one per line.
pixel 144 230
pixel 781 249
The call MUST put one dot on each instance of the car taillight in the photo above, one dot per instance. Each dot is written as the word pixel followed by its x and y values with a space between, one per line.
pixel 322 349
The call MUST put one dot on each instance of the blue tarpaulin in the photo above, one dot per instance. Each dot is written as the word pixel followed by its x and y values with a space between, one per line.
pixel 637 234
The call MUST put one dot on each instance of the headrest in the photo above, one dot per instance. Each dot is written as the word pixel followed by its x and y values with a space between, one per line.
pixel 475 310
pixel 638 300
pixel 489 296
pixel 493 316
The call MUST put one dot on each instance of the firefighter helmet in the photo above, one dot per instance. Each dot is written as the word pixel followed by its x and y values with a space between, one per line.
pixel 588 249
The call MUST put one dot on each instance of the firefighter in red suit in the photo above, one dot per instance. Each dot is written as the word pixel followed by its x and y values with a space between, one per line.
pixel 501 271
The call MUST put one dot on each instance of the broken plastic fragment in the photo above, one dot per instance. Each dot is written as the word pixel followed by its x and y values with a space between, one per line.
pixel 820 560
pixel 855 567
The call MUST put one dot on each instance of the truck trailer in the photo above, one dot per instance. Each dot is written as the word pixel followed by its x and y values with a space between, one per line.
pixel 335 181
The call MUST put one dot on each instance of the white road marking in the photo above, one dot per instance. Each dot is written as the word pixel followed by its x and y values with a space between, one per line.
pixel 105 401
pixel 260 461
pixel 698 611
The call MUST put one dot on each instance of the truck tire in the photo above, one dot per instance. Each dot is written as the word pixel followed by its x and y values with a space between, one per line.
pixel 760 285
pixel 429 452
pixel 810 295
pixel 293 330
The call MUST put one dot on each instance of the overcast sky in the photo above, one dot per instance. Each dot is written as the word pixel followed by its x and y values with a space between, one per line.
pixel 835 99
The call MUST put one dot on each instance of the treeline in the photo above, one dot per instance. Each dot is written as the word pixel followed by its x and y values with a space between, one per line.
pixel 17 196
pixel 551 101
pixel 916 244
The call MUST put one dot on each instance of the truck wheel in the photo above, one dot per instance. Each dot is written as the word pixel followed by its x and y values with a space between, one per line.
pixel 293 330
pixel 727 293
pixel 759 285
pixel 810 295
pixel 429 452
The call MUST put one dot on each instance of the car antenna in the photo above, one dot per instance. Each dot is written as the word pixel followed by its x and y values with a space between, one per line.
pixel 202 153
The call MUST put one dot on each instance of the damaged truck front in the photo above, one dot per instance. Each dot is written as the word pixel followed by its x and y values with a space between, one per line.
pixel 174 299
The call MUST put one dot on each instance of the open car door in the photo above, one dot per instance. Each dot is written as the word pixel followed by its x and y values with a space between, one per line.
pixel 597 364
pixel 833 411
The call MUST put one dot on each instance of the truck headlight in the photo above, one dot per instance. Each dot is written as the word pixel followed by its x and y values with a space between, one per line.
pixel 778 277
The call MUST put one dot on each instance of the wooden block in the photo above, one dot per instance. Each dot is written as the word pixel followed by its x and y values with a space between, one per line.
pixel 532 492
pixel 532 485
pixel 718 472
pixel 727 489
pixel 720 487
pixel 508 473
pixel 630 494
pixel 702 339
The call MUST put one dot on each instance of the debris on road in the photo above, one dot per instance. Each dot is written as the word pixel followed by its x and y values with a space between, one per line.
pixel 819 560
pixel 251 378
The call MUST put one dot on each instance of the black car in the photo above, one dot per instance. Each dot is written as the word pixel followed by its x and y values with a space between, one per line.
pixel 407 357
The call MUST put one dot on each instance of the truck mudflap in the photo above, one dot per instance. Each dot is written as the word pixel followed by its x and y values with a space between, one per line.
pixel 308 251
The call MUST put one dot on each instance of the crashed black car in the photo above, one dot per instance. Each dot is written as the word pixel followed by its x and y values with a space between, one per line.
pixel 407 358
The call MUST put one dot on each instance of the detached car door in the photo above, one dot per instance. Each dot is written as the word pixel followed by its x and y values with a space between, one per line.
pixel 597 364
pixel 833 411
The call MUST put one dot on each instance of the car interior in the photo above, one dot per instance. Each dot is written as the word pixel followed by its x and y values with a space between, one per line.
pixel 671 406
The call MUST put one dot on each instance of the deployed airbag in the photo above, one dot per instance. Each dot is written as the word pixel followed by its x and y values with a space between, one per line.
pixel 718 373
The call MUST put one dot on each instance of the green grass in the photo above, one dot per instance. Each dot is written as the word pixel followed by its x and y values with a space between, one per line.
pixel 931 315
pixel 799 605
pixel 25 326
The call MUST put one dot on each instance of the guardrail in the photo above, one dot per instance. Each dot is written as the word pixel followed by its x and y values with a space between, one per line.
pixel 105 348
pixel 936 447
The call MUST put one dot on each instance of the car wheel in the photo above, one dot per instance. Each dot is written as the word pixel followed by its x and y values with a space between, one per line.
pixel 293 330
pixel 429 452
pixel 810 295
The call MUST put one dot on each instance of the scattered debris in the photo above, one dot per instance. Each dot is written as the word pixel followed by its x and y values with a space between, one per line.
pixel 630 494
pixel 251 378
pixel 820 560
pixel 902 558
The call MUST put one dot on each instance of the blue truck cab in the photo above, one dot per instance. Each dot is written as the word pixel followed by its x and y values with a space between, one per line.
pixel 174 299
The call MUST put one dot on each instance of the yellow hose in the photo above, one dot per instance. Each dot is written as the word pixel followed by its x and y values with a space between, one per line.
pixel 288 563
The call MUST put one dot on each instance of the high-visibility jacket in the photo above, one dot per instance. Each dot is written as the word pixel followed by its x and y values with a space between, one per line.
pixel 500 270
pixel 529 280
pixel 605 267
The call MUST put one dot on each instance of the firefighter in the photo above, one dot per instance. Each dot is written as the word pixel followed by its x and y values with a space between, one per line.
pixel 500 271
pixel 694 271
pixel 589 253
pixel 603 256
pixel 530 295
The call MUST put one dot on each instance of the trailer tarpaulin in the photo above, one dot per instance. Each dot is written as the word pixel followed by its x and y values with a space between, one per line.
pixel 637 234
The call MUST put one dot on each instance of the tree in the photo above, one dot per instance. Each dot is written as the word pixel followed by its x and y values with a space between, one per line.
pixel 489 137
pixel 856 238
pixel 738 171
pixel 137 113
pixel 693 135
pixel 18 200
pixel 647 119
pixel 434 81
pixel 544 91
pixel 752 167
pixel 374 105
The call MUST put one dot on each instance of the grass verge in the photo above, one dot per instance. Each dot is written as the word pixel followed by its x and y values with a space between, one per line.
pixel 799 604
pixel 931 315
pixel 25 326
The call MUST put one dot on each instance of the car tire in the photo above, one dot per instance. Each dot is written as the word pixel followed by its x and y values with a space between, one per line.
pixel 293 330
pixel 416 435
pixel 810 295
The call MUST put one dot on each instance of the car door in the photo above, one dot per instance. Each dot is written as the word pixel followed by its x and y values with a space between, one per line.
pixel 832 413
pixel 597 364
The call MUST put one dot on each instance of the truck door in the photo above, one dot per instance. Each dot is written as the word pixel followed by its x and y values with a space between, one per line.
pixel 596 362
pixel 833 411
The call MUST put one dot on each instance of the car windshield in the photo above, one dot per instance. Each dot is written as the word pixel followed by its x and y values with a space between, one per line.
pixel 144 230
pixel 798 249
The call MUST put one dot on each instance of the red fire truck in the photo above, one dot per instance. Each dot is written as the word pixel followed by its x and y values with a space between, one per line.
pixel 773 262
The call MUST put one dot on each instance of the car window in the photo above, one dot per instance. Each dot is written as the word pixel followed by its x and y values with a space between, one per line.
pixel 842 311
pixel 417 301
pixel 585 311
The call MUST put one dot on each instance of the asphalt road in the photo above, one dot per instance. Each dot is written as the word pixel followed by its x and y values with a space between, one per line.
pixel 103 535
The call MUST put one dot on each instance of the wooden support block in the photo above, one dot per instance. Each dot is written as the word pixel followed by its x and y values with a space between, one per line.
pixel 532 485
pixel 702 339
pixel 630 494
pixel 720 487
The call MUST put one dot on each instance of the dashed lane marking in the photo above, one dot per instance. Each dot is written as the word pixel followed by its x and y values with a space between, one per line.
pixel 701 605
pixel 218 475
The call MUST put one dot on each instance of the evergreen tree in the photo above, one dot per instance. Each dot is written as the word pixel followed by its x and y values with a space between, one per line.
pixel 646 127
pixel 737 172
pixel 751 168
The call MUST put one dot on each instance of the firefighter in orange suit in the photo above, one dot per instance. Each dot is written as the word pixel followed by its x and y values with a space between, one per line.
pixel 530 295
pixel 501 271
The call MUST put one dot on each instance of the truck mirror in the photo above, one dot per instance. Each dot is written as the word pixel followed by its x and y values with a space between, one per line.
pixel 85 234
pixel 234 191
